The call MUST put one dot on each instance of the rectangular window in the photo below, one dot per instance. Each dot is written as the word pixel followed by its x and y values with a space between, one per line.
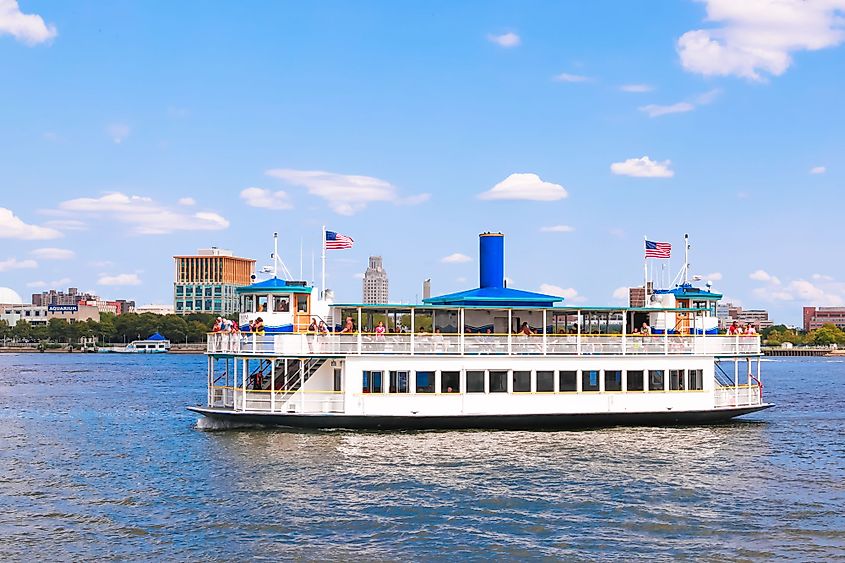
pixel 475 382
pixel 262 304
pixel 676 380
pixel 589 380
pixel 208 305
pixel 498 381
pixel 399 382
pixel 281 304
pixel 179 290
pixel 655 380
pixel 635 380
pixel 545 381
pixel 189 290
pixel 612 380
pixel 372 382
pixel 425 382
pixel 301 303
pixel 522 382
pixel 249 303
pixel 696 379
pixel 568 381
pixel 450 382
pixel 208 292
pixel 338 380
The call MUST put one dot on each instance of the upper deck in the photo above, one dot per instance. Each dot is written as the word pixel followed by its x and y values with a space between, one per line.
pixel 302 345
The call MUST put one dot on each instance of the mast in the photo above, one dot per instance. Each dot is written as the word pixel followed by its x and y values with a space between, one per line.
pixel 686 258
pixel 323 258
pixel 275 255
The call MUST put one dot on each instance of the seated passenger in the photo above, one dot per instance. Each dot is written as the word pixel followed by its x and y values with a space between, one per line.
pixel 349 327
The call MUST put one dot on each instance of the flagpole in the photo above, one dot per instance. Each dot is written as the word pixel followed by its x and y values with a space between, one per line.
pixel 323 258
pixel 645 272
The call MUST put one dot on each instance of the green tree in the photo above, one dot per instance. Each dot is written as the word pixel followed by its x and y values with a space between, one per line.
pixel 827 335
pixel 22 329
pixel 58 329
pixel 5 330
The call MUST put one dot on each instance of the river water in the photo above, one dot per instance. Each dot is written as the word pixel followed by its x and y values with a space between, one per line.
pixel 100 459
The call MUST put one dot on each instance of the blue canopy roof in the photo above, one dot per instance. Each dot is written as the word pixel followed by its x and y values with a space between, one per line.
pixel 275 285
pixel 495 297
pixel 687 291
pixel 156 336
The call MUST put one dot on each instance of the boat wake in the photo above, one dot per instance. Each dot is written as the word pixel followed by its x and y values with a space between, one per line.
pixel 211 424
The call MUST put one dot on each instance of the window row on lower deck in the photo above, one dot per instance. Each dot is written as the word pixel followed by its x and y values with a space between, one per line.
pixel 531 381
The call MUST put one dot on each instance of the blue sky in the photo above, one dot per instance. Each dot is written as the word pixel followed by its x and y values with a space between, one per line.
pixel 133 131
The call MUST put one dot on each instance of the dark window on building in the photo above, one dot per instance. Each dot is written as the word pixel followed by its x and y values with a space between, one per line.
pixel 545 381
pixel 218 290
pixel 399 382
pixel 612 380
pixel 372 382
pixel 338 379
pixel 475 382
pixel 498 381
pixel 208 292
pixel 676 380
pixel 189 290
pixel 568 381
pixel 635 380
pixel 590 380
pixel 655 380
pixel 208 304
pixel 179 290
pixel 522 382
pixel 450 382
pixel 696 379
pixel 425 382
pixel 301 303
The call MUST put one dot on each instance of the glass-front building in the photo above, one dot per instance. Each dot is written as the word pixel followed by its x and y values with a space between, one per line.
pixel 206 282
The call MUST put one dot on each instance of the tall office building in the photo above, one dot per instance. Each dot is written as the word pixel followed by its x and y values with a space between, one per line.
pixel 206 282
pixel 375 282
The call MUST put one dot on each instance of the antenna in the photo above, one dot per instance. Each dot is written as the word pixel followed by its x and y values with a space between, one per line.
pixel 277 261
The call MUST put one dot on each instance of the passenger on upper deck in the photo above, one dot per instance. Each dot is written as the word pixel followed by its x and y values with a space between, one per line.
pixel 349 327
pixel 380 330
pixel 313 326
pixel 733 329
pixel 645 329
pixel 218 325
pixel 526 330
pixel 258 326
pixel 322 328
pixel 750 330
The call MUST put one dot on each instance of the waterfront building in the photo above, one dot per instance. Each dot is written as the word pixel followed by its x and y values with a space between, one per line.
pixel 206 282
pixel 817 317
pixel 157 309
pixel 36 315
pixel 728 313
pixel 54 297
pixel 375 282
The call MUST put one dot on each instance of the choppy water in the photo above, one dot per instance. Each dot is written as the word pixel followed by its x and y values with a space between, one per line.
pixel 99 458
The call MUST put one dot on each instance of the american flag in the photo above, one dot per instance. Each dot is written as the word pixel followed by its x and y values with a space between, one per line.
pixel 337 241
pixel 657 249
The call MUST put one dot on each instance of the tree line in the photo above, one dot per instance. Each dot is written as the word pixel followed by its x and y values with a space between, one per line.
pixel 113 328
pixel 824 336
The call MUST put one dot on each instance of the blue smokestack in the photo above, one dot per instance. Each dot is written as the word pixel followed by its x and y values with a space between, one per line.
pixel 491 259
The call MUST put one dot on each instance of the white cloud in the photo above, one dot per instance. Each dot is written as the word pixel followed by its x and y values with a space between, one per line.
pixel 566 77
pixel 147 216
pixel 49 284
pixel 764 276
pixel 186 201
pixel 826 293
pixel 506 40
pixel 11 226
pixel 260 197
pixel 119 279
pixel 757 37
pixel 712 276
pixel 53 253
pixel 655 110
pixel 636 88
pixel 15 264
pixel 621 293
pixel 26 28
pixel 68 225
pixel 822 277
pixel 358 275
pixel 567 293
pixel 525 186
pixel 818 170
pixel 643 168
pixel 345 194
pixel 117 132
pixel 456 258
pixel 557 229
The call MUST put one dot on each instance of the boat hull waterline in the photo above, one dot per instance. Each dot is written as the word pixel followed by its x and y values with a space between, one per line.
pixel 552 421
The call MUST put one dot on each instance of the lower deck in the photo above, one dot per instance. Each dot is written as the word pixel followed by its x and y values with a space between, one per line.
pixel 443 387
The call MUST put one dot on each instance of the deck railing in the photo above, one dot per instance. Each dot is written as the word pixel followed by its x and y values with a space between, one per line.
pixel 738 395
pixel 332 344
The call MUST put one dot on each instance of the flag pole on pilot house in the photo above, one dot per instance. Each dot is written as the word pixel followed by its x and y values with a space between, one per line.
pixel 323 258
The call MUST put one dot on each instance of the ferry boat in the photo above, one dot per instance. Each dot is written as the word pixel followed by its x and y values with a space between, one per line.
pixel 154 344
pixel 466 360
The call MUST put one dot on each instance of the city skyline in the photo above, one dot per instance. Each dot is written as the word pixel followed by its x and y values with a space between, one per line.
pixel 424 126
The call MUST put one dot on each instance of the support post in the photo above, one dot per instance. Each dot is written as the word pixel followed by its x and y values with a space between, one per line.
pixel 545 330
pixel 461 320
pixel 578 335
pixel 510 331
pixel 359 331
pixel 273 385
pixel 243 389
pixel 624 333
pixel 413 331
pixel 302 385
pixel 736 382
pixel 323 260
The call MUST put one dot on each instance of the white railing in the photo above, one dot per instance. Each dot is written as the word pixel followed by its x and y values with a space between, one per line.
pixel 308 402
pixel 738 396
pixel 299 344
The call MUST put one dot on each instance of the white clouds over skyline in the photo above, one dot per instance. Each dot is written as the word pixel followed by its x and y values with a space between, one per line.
pixel 12 226
pixel 146 216
pixel 506 40
pixel 525 187
pixel 53 253
pixel 119 279
pixel 636 88
pixel 567 77
pixel 26 28
pixel 456 258
pixel 345 194
pixel 818 170
pixel 755 38
pixel 15 264
pixel 260 197
pixel 643 167
pixel 568 293
pixel 557 229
